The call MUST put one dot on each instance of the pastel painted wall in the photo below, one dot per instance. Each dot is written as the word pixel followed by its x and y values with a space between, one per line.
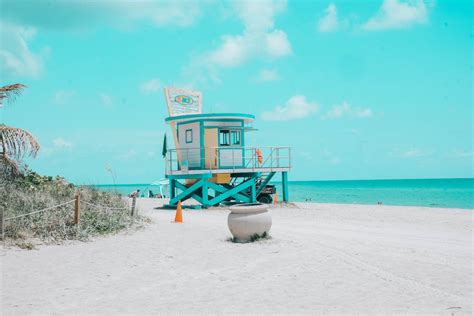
pixel 189 138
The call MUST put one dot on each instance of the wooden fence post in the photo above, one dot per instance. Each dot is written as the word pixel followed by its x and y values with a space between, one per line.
pixel 77 210
pixel 134 202
pixel 2 222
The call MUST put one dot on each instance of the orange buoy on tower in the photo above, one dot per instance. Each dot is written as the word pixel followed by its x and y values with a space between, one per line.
pixel 259 155
pixel 178 218
pixel 275 198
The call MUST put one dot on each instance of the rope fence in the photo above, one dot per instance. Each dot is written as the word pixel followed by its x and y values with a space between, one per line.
pixel 77 211
pixel 35 212
pixel 106 207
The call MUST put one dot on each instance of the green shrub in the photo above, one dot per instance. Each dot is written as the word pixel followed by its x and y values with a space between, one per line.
pixel 34 192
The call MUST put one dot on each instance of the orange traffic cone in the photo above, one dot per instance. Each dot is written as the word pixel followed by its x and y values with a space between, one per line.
pixel 275 198
pixel 179 214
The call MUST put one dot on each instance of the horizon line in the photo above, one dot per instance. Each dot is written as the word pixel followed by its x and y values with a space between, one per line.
pixel 323 180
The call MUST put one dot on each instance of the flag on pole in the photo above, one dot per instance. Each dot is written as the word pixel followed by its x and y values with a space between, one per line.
pixel 183 101
pixel 165 147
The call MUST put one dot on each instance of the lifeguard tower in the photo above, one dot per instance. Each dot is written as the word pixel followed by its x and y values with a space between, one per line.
pixel 211 163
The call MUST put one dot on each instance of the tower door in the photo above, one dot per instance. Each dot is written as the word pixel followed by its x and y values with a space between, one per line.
pixel 211 142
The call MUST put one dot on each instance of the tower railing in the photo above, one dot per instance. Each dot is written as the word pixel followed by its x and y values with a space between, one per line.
pixel 227 159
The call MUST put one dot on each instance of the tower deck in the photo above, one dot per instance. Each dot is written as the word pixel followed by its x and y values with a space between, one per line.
pixel 248 173
pixel 248 160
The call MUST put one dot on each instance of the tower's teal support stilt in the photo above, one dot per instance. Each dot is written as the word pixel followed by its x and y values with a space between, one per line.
pixel 265 182
pixel 208 193
pixel 234 192
pixel 172 189
pixel 187 192
pixel 253 192
pixel 284 180
pixel 205 196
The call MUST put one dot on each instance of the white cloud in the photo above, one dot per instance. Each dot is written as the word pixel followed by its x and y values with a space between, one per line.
pixel 412 153
pixel 395 14
pixel 19 25
pixel 152 85
pixel 16 58
pixel 62 97
pixel 268 75
pixel 178 13
pixel 415 153
pixel 277 44
pixel 233 51
pixel 363 112
pixel 106 99
pixel 345 109
pixel 329 22
pixel 76 14
pixel 61 143
pixel 259 15
pixel 297 107
pixel 259 38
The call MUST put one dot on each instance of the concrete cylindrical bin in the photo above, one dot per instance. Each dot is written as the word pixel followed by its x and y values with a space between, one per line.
pixel 245 221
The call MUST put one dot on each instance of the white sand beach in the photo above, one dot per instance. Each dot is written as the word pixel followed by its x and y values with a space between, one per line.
pixel 322 258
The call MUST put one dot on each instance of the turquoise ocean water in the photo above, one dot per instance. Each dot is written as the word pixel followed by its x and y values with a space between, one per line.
pixel 452 193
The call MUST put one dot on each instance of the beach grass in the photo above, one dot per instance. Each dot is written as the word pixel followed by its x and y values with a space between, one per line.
pixel 101 212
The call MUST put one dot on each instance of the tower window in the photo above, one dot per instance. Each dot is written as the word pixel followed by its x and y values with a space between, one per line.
pixel 224 137
pixel 189 136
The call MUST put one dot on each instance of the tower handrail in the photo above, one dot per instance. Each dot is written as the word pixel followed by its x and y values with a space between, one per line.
pixel 276 157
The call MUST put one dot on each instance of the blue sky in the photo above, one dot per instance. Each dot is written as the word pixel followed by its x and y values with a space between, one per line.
pixel 359 89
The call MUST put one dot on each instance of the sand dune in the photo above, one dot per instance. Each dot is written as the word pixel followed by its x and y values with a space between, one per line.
pixel 322 258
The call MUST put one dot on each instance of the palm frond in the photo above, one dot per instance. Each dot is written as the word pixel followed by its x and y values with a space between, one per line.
pixel 9 169
pixel 17 143
pixel 10 92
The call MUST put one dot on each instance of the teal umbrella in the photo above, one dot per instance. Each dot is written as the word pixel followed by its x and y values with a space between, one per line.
pixel 165 147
